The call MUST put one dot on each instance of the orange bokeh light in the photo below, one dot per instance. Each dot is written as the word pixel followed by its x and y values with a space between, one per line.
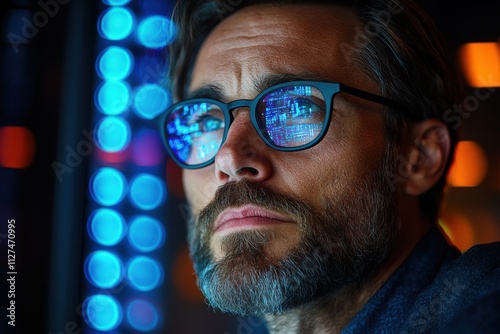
pixel 17 147
pixel 459 230
pixel 481 63
pixel 470 166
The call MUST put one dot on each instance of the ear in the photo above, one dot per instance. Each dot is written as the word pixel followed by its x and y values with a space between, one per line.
pixel 427 152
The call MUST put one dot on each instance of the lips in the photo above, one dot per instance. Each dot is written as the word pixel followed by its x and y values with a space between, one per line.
pixel 246 217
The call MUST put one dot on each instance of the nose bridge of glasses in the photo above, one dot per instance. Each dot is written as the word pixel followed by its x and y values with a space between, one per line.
pixel 238 104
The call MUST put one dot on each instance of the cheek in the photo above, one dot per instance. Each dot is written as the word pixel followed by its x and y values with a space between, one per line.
pixel 341 160
pixel 199 187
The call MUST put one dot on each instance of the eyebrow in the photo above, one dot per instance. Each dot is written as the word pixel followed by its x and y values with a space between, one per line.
pixel 210 91
pixel 216 92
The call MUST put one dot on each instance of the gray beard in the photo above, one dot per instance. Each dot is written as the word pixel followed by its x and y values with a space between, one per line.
pixel 344 243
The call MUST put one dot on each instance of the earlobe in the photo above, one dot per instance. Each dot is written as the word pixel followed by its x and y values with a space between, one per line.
pixel 428 154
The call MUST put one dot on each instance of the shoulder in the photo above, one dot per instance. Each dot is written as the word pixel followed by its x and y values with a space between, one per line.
pixel 478 265
pixel 483 316
pixel 480 269
pixel 466 290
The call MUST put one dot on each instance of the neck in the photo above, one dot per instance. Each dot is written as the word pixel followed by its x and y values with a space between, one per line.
pixel 328 314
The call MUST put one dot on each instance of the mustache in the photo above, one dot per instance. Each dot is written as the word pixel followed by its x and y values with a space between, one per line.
pixel 238 193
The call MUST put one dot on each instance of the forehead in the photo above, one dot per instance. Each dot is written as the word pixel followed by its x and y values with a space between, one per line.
pixel 283 39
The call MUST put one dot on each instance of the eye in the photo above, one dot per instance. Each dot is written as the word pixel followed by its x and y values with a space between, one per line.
pixel 303 107
pixel 209 123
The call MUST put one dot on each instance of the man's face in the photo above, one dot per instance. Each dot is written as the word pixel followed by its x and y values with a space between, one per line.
pixel 272 230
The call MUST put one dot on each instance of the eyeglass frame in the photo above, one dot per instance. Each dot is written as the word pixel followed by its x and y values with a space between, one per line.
pixel 328 89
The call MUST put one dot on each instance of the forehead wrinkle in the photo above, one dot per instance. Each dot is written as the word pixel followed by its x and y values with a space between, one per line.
pixel 236 33
pixel 235 40
pixel 264 38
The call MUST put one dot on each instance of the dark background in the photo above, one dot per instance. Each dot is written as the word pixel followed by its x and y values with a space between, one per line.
pixel 33 94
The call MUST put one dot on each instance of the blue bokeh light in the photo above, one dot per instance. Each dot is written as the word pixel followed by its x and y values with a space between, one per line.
pixel 116 2
pixel 146 234
pixel 108 186
pixel 103 269
pixel 106 227
pixel 147 192
pixel 115 63
pixel 116 23
pixel 151 100
pixel 113 134
pixel 156 32
pixel 102 312
pixel 142 315
pixel 113 98
pixel 144 273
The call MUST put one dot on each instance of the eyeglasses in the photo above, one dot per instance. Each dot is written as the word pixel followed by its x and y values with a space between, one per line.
pixel 291 116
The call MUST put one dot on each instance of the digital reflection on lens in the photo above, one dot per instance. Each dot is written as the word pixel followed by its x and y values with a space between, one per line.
pixel 195 132
pixel 292 116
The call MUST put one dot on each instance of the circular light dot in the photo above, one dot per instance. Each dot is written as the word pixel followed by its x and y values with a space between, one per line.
pixel 146 234
pixel 144 273
pixel 102 312
pixel 470 165
pixel 116 23
pixel 106 227
pixel 115 63
pixel 150 100
pixel 107 186
pixel 103 269
pixel 147 191
pixel 142 315
pixel 113 98
pixel 147 148
pixel 116 2
pixel 17 147
pixel 113 134
pixel 156 32
pixel 480 62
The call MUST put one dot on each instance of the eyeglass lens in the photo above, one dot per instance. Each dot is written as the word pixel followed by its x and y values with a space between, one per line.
pixel 287 117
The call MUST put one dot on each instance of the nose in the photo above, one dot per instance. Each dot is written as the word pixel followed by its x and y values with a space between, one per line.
pixel 243 154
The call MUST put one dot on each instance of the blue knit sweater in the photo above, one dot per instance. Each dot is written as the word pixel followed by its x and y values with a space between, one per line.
pixel 437 290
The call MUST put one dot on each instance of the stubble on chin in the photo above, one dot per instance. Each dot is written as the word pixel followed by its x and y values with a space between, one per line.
pixel 342 244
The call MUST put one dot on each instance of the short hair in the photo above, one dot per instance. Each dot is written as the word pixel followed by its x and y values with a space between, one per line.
pixel 397 45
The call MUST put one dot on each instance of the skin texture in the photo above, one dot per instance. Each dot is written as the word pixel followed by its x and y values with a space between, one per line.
pixel 247 43
pixel 261 40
